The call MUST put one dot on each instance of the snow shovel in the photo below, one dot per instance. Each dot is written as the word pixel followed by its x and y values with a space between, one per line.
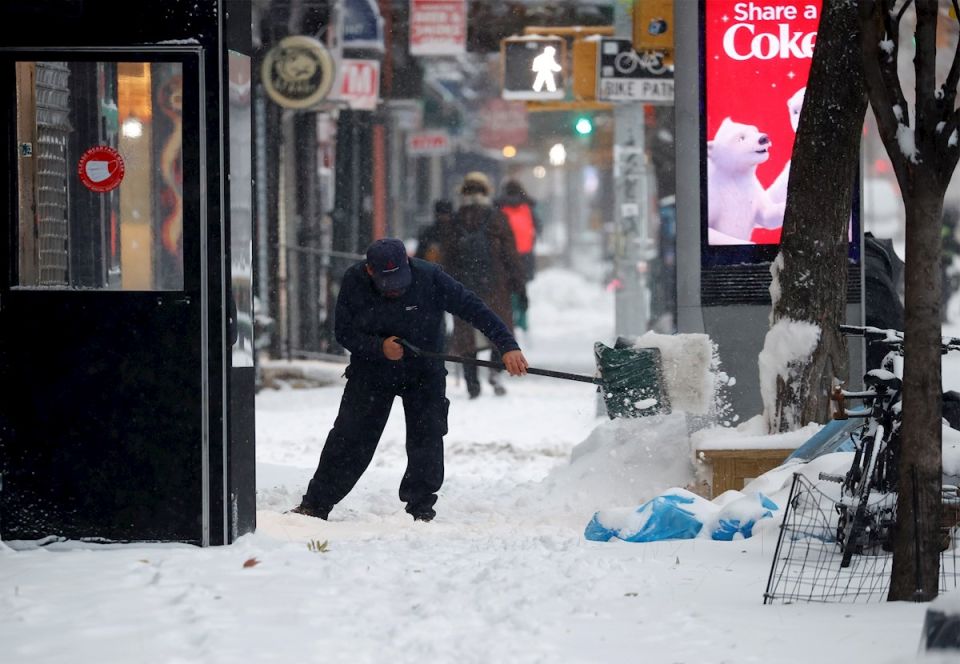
pixel 624 380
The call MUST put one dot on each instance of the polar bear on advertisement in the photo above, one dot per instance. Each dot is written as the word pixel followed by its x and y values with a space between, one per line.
pixel 778 190
pixel 736 201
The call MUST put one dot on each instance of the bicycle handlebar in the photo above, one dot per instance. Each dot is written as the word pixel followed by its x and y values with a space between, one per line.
pixel 892 338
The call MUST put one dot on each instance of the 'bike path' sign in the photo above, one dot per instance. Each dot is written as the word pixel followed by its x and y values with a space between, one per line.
pixel 624 74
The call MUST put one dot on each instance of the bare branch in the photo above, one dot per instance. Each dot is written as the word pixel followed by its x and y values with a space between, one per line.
pixel 949 90
pixel 925 66
pixel 879 45
pixel 902 9
pixel 890 70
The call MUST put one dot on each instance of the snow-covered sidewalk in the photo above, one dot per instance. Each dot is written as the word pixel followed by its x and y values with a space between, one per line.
pixel 503 574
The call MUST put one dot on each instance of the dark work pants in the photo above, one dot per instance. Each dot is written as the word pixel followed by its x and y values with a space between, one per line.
pixel 364 409
pixel 470 373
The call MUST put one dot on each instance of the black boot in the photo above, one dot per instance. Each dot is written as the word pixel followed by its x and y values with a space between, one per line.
pixel 422 514
pixel 307 510
pixel 472 380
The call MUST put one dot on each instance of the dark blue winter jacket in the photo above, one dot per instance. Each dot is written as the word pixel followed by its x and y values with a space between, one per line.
pixel 364 317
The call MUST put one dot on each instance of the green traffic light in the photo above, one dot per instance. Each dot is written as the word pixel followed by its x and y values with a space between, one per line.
pixel 583 126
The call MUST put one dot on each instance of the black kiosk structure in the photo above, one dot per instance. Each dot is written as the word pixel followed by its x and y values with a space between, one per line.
pixel 126 295
pixel 723 286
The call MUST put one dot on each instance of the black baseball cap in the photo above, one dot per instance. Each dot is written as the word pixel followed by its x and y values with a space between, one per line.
pixel 387 259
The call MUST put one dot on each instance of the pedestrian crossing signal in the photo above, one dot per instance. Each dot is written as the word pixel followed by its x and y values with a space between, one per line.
pixel 534 68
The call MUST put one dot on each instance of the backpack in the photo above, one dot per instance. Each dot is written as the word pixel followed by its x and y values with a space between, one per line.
pixel 476 257
pixel 521 223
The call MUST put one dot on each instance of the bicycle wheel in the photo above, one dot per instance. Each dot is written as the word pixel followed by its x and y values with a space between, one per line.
pixel 625 62
pixel 857 527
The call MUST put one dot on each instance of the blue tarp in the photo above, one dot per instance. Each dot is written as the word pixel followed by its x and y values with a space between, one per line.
pixel 835 436
pixel 679 514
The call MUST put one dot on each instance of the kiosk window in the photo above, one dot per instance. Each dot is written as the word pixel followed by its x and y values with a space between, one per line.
pixel 100 180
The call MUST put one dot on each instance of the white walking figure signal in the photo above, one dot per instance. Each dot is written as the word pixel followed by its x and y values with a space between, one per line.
pixel 545 65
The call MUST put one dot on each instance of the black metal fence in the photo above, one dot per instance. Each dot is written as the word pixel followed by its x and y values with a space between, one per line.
pixel 806 564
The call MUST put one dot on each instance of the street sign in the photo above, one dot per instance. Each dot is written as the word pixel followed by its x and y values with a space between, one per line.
pixel 627 75
pixel 534 67
pixel 435 142
pixel 358 84
pixel 362 25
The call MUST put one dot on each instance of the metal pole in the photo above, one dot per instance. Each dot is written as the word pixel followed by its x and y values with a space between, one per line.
pixel 354 183
pixel 631 209
pixel 263 282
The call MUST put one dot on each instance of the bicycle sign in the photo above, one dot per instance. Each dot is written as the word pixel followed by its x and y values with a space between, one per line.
pixel 628 75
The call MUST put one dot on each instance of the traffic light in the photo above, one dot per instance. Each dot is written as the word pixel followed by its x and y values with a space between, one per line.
pixel 585 68
pixel 653 25
pixel 583 125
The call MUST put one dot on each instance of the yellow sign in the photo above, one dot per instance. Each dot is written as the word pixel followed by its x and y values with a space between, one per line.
pixel 298 72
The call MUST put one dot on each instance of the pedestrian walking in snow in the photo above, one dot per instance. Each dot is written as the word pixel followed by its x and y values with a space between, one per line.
pixel 520 212
pixel 383 299
pixel 479 250
pixel 428 240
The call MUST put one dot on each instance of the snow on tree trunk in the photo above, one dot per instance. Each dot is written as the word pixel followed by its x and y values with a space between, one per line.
pixel 810 274
pixel 924 155
pixel 787 347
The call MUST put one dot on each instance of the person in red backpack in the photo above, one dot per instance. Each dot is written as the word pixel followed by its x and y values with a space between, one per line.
pixel 519 209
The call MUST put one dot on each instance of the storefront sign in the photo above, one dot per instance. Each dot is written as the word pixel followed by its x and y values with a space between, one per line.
pixel 358 84
pixel 438 27
pixel 503 123
pixel 298 72
pixel 100 169
pixel 428 143
pixel 362 25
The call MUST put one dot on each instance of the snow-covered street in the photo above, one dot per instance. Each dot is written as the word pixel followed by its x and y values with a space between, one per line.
pixel 503 574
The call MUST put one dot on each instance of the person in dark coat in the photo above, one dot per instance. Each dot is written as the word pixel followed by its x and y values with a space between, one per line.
pixel 428 240
pixel 950 249
pixel 386 298
pixel 882 307
pixel 479 250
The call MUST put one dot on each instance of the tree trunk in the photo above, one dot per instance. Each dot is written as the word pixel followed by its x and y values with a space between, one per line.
pixel 916 553
pixel 813 248
pixel 924 157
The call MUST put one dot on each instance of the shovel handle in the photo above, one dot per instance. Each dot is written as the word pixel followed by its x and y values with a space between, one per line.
pixel 496 365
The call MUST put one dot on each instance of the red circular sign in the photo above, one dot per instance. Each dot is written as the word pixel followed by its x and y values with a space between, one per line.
pixel 100 168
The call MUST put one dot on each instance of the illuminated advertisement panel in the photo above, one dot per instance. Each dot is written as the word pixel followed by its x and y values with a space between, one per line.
pixel 756 58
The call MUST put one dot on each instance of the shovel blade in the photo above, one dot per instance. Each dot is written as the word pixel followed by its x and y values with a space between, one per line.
pixel 632 381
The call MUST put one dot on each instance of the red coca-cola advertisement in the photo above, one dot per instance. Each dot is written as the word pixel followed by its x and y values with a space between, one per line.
pixel 756 62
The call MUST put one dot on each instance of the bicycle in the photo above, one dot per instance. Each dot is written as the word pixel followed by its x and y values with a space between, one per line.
pixel 863 528
pixel 652 61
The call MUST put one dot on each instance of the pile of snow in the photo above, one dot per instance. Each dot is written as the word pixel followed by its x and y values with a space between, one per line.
pixel 752 435
pixel 689 369
pixel 622 462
